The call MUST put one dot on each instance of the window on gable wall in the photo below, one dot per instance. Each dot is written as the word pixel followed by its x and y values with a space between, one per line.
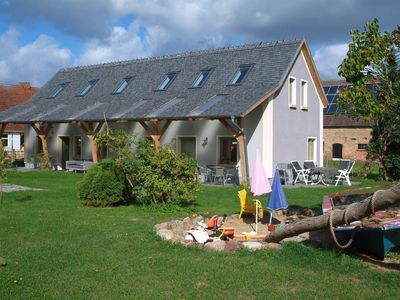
pixel 292 92
pixel 304 94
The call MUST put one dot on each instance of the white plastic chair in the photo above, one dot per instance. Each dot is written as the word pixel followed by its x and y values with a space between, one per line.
pixel 345 168
pixel 300 172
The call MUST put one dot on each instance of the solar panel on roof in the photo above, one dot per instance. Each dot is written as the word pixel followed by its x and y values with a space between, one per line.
pixel 332 95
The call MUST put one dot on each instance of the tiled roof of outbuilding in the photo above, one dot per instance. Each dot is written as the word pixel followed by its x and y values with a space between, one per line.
pixel 140 101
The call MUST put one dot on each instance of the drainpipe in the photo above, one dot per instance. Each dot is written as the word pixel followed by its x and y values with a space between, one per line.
pixel 233 119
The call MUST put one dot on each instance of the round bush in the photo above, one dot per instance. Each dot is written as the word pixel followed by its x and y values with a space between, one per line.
pixel 101 187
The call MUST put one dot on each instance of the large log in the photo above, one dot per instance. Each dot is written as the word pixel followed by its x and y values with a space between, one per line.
pixel 355 212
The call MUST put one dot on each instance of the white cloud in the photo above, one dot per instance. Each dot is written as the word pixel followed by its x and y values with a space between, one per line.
pixel 121 44
pixel 35 62
pixel 328 59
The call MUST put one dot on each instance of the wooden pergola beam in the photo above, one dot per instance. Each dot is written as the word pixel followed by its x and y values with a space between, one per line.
pixel 91 130
pixel 239 135
pixel 42 130
pixel 155 132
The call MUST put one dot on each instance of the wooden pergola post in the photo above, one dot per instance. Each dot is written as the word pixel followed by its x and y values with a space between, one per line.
pixel 42 130
pixel 155 131
pixel 239 135
pixel 91 130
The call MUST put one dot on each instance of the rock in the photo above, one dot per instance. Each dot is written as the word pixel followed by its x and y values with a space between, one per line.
pixel 231 245
pixel 181 235
pixel 308 213
pixel 217 245
pixel 174 224
pixel 197 219
pixel 2 262
pixel 253 245
pixel 275 246
pixel 166 234
pixel 157 227
pixel 187 223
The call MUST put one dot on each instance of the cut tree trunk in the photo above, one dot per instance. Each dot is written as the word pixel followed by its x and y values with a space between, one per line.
pixel 355 212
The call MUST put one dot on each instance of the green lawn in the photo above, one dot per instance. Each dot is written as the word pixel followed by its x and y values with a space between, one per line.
pixel 57 249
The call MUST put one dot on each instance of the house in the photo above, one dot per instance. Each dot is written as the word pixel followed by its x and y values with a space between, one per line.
pixel 218 105
pixel 12 135
pixel 344 138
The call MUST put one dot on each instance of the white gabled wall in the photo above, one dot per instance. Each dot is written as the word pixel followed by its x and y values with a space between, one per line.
pixel 292 126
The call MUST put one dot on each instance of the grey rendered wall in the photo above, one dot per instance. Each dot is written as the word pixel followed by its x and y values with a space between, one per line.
pixel 291 126
pixel 252 125
pixel 206 154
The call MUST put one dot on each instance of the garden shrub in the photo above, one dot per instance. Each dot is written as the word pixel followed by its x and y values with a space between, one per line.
pixel 146 177
pixel 164 177
pixel 103 185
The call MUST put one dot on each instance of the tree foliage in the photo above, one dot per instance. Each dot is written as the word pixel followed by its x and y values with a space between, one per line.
pixel 372 69
pixel 148 177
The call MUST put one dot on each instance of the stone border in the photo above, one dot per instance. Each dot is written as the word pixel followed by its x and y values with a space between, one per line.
pixel 175 231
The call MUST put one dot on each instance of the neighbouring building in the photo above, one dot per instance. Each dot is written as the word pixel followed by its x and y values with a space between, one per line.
pixel 219 105
pixel 344 138
pixel 12 135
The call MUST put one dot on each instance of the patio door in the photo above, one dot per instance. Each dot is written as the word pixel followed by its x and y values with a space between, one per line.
pixel 64 150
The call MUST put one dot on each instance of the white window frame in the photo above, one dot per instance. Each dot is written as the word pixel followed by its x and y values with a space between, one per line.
pixel 178 143
pixel 314 146
pixel 304 94
pixel 292 92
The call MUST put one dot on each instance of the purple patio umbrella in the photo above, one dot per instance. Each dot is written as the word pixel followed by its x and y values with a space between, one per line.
pixel 277 198
pixel 259 182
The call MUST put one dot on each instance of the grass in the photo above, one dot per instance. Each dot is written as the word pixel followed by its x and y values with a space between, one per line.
pixel 57 249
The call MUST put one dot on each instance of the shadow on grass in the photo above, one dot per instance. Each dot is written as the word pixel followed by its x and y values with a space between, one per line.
pixel 23 198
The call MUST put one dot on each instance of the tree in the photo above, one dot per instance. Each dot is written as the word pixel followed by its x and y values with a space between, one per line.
pixel 372 69
pixel 3 166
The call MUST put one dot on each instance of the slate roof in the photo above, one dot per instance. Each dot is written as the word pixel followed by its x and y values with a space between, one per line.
pixel 139 101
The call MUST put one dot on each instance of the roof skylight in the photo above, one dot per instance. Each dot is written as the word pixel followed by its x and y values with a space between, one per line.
pixel 166 82
pixel 58 89
pixel 122 85
pixel 201 78
pixel 87 88
pixel 240 74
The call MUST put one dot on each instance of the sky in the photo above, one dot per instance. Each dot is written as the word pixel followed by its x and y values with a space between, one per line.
pixel 38 37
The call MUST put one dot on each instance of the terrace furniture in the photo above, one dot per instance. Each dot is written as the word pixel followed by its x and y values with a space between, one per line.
pixel 231 175
pixel 219 175
pixel 312 170
pixel 344 170
pixel 301 174
pixel 249 207
pixel 78 165
pixel 284 170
